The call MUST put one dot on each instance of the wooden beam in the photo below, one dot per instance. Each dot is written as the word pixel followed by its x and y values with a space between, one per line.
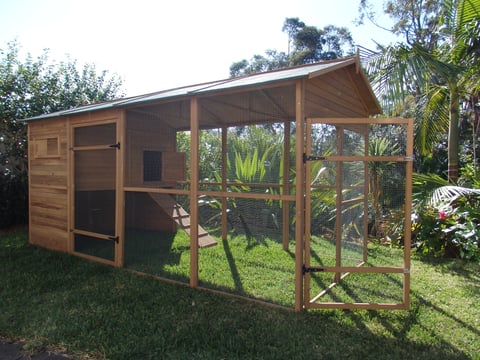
pixel 366 187
pixel 339 217
pixel 194 142
pixel 308 210
pixel 224 182
pixel 286 185
pixel 408 211
pixel 352 306
pixel 359 120
pixel 247 195
pixel 71 187
pixel 119 191
pixel 29 164
pixel 299 195
pixel 146 189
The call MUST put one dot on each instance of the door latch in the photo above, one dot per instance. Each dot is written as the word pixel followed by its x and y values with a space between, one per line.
pixel 312 158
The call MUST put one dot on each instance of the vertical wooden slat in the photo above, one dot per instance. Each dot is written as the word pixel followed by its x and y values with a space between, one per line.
pixel 194 133
pixel 408 214
pixel 224 182
pixel 119 191
pixel 338 217
pixel 299 195
pixel 286 185
pixel 365 199
pixel 70 185
pixel 308 209
pixel 29 164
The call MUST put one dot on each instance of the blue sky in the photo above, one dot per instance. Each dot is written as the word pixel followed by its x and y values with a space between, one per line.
pixel 156 44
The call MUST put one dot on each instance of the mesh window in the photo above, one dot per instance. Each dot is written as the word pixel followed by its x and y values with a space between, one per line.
pixel 152 165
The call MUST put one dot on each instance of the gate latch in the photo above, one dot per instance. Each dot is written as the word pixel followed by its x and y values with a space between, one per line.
pixel 311 269
pixel 113 238
pixel 312 158
pixel 115 146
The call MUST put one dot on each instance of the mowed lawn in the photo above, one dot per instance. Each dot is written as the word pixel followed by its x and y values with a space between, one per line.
pixel 99 312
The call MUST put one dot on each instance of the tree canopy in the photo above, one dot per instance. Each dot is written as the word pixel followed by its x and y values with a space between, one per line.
pixel 437 65
pixel 306 44
pixel 31 87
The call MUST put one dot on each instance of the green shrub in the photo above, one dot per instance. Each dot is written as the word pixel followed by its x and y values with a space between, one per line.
pixel 450 230
pixel 14 195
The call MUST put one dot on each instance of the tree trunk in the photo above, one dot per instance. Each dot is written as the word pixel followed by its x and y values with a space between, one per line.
pixel 453 134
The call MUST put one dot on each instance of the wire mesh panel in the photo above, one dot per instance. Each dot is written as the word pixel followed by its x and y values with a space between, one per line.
pixel 356 199
pixel 242 173
pixel 154 243
pixel 94 200
pixel 251 260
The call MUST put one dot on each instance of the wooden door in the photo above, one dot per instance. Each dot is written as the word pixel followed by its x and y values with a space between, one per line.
pixel 95 152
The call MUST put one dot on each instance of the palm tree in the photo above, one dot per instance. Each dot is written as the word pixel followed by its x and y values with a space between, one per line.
pixel 437 76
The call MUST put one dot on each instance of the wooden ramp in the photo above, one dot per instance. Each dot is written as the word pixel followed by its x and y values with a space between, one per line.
pixel 182 218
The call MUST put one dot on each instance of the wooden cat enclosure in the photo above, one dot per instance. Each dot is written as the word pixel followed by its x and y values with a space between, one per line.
pixel 105 177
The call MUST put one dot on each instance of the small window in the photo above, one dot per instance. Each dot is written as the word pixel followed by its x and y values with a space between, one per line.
pixel 47 147
pixel 152 165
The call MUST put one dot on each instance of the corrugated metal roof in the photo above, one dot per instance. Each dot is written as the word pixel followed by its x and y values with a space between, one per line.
pixel 304 71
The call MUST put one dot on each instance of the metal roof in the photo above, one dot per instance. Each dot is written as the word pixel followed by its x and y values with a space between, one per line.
pixel 303 71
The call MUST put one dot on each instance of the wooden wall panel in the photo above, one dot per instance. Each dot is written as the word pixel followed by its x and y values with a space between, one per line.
pixel 48 237
pixel 333 95
pixel 48 183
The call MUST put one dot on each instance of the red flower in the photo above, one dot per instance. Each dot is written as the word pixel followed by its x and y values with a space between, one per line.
pixel 442 215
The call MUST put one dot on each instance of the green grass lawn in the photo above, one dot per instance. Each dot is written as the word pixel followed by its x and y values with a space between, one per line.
pixel 101 312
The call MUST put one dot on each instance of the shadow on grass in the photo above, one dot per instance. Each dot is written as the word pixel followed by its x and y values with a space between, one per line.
pixel 233 268
pixel 98 309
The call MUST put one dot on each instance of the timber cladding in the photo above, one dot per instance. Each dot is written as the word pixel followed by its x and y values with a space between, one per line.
pixel 48 183
pixel 50 178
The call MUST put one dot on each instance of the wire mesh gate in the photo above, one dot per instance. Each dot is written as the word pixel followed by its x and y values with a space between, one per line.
pixel 358 191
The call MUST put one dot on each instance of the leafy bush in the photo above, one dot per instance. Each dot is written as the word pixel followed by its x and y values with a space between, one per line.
pixel 14 204
pixel 32 87
pixel 449 225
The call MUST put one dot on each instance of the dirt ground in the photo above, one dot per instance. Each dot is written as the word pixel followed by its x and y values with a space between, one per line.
pixel 17 350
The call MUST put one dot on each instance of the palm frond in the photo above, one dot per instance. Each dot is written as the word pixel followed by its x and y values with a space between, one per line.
pixel 423 187
pixel 465 25
pixel 432 118
pixel 450 193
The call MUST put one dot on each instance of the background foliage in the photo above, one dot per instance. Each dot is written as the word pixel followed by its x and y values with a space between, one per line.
pixel 306 44
pixel 31 87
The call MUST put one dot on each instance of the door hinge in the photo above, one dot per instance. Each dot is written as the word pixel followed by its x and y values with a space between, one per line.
pixel 311 269
pixel 114 238
pixel 312 158
pixel 117 145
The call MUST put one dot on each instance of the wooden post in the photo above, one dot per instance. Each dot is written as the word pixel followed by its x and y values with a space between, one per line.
pixel 70 187
pixel 29 161
pixel 119 191
pixel 299 196
pixel 224 182
pixel 308 209
pixel 338 217
pixel 286 185
pixel 408 214
pixel 365 197
pixel 194 133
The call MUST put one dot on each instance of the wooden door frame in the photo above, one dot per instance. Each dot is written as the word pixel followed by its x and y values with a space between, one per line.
pixel 108 117
pixel 405 268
